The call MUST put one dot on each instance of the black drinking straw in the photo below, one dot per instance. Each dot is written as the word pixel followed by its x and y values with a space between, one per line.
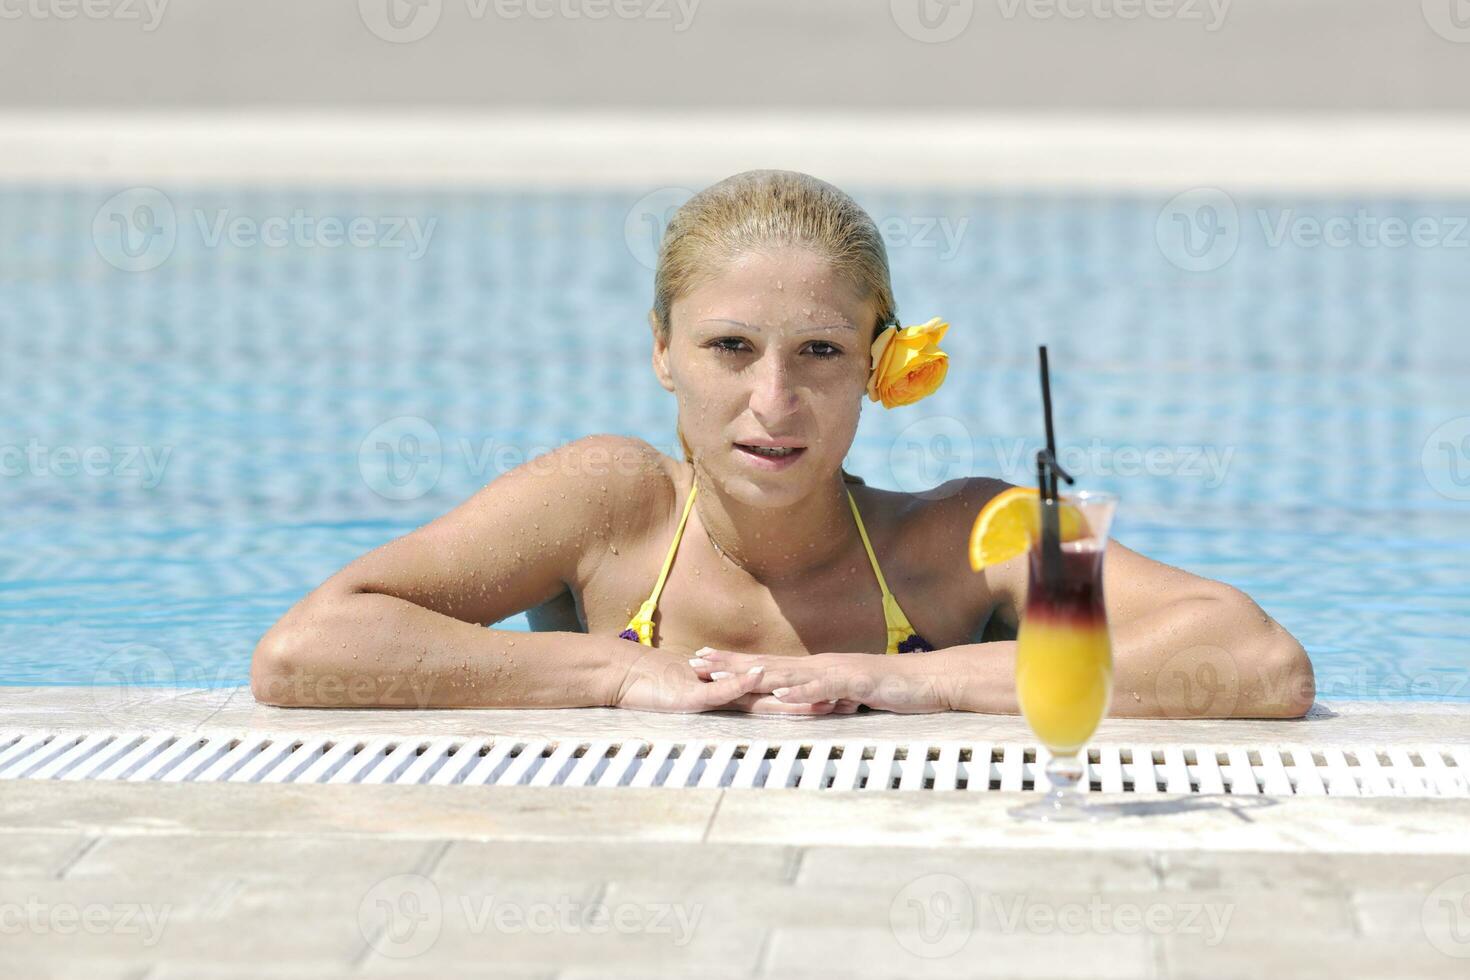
pixel 1047 471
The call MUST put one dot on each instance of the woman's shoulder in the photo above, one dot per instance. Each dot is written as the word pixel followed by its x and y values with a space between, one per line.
pixel 942 508
pixel 626 484
pixel 937 522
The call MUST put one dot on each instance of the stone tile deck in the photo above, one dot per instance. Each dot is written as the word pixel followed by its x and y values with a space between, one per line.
pixel 224 880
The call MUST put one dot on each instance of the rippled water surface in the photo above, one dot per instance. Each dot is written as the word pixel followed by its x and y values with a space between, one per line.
pixel 188 448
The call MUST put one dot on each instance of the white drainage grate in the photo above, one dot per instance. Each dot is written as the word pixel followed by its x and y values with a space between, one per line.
pixel 1280 770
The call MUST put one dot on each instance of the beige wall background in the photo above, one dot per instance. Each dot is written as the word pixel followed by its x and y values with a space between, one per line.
pixel 1389 56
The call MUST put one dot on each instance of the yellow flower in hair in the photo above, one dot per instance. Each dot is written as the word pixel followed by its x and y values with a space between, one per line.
pixel 908 364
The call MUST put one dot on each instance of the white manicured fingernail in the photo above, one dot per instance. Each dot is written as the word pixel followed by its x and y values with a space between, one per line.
pixel 720 675
pixel 780 692
pixel 699 662
pixel 755 670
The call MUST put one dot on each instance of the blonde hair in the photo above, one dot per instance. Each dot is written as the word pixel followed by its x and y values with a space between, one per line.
pixel 763 209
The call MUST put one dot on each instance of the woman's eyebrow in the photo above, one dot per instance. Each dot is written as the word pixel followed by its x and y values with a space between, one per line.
pixel 738 323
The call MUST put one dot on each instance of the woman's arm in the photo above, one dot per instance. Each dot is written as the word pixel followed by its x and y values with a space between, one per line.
pixel 402 626
pixel 1190 658
pixel 1183 646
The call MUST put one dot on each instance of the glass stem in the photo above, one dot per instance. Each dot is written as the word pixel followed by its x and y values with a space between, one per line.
pixel 1064 772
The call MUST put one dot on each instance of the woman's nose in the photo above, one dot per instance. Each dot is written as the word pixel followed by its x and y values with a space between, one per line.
pixel 774 395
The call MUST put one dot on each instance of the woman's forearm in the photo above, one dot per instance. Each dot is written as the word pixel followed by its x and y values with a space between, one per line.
pixel 1202 657
pixel 1217 656
pixel 972 677
pixel 366 650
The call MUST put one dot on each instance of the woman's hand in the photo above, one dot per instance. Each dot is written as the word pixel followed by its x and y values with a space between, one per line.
pixel 658 681
pixel 905 683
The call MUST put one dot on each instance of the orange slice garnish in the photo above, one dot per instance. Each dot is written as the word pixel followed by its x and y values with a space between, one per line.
pixel 1010 521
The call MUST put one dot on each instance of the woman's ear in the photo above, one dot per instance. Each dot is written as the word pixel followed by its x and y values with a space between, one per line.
pixel 660 355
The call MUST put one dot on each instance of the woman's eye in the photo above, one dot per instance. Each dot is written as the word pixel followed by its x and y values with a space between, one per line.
pixel 734 345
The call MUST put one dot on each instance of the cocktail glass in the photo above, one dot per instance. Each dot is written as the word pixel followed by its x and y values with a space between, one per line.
pixel 1064 654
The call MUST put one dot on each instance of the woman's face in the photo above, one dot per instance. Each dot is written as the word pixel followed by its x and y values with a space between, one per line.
pixel 773 349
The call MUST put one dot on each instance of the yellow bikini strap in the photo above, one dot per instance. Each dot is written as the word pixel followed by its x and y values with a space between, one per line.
pixel 673 547
pixel 867 545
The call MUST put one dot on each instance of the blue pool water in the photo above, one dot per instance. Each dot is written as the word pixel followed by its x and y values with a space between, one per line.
pixel 188 448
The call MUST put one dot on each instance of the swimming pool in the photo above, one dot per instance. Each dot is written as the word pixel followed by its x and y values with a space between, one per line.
pixel 205 419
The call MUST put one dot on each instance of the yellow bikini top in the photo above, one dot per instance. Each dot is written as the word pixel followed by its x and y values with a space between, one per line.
pixel 901 635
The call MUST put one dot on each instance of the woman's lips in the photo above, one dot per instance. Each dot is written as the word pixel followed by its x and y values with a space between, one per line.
pixel 770 463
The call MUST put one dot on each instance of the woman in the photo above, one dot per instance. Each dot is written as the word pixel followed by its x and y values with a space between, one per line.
pixel 773 315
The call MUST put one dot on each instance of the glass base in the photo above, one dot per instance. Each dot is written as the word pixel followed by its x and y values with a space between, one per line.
pixel 1062 803
pixel 1058 806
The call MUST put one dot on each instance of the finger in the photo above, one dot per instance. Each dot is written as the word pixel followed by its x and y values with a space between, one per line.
pixel 846 706
pixel 808 692
pixel 763 704
pixel 703 668
pixel 724 689
pixel 726 659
